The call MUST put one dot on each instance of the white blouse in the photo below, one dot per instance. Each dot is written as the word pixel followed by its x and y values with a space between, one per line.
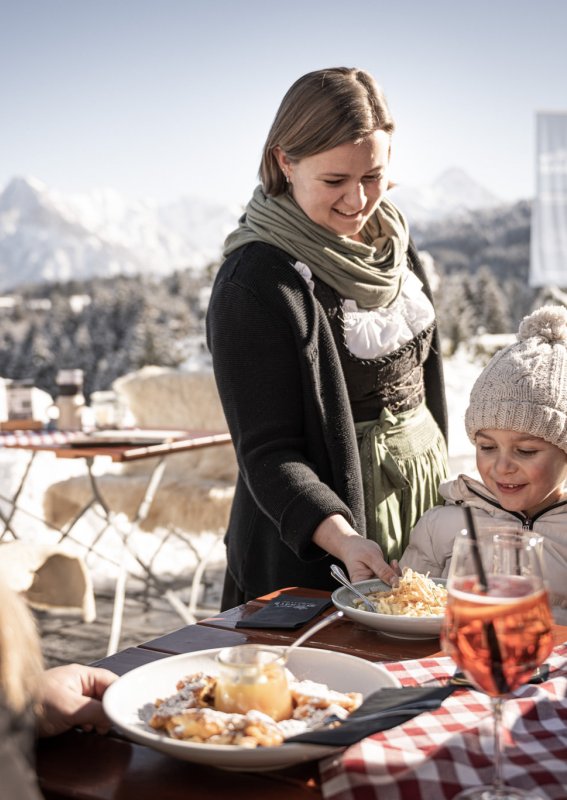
pixel 373 333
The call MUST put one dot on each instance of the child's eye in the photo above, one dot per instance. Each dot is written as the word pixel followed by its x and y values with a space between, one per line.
pixel 527 452
pixel 485 448
pixel 332 182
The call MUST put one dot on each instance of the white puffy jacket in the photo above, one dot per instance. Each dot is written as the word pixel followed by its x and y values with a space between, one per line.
pixel 431 541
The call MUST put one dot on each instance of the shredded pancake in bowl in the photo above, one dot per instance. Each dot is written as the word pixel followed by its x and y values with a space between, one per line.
pixel 416 595
pixel 189 714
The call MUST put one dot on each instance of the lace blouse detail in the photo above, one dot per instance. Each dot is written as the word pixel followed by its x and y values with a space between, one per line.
pixel 374 333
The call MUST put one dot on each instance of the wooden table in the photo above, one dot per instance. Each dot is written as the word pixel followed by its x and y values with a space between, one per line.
pixel 72 445
pixel 92 767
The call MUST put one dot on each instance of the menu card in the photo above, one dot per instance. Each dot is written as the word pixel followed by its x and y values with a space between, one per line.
pixel 286 611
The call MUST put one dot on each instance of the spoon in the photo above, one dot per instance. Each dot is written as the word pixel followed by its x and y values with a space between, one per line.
pixel 339 576
pixel 309 632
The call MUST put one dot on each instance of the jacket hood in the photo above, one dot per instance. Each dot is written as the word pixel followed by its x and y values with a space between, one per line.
pixel 459 490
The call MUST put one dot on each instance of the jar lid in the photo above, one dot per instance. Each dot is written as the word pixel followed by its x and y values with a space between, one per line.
pixel 249 657
pixel 104 396
pixel 18 383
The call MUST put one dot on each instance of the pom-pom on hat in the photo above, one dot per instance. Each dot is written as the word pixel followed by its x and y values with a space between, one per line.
pixel 524 386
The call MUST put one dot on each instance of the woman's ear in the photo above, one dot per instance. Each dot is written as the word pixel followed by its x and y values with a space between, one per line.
pixel 282 159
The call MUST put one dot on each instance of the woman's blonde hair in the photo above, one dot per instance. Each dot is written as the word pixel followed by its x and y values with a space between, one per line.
pixel 21 662
pixel 322 110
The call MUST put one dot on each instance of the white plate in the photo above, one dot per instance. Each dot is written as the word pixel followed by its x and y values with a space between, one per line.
pixel 392 624
pixel 126 696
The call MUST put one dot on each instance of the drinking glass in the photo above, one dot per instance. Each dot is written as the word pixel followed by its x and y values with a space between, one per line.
pixel 500 632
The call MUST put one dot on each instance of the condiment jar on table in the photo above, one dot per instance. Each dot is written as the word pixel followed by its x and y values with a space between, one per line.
pixel 253 677
pixel 70 399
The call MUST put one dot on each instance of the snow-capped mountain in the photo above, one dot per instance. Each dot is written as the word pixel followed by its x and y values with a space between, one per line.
pixel 46 235
pixel 453 192
pixel 49 236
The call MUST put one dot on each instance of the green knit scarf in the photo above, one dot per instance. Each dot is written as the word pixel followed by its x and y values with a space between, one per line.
pixel 368 272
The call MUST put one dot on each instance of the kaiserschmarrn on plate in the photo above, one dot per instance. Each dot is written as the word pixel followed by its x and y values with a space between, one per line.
pixel 189 714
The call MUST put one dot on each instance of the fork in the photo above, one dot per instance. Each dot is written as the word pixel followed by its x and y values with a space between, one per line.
pixel 340 576
pixel 540 675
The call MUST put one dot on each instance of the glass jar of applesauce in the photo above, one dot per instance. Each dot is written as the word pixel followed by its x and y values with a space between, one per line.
pixel 253 677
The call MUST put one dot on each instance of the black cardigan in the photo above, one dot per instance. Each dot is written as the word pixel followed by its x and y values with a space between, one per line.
pixel 284 396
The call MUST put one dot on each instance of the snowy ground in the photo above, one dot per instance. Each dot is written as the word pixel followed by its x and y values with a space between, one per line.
pixel 174 557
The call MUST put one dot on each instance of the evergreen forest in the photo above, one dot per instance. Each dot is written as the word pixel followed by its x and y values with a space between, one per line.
pixel 109 327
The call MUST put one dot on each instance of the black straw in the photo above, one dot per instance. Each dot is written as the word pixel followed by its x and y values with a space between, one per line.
pixel 476 551
pixel 491 638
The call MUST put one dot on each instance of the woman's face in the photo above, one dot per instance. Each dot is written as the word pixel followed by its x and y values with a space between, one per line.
pixel 525 473
pixel 340 188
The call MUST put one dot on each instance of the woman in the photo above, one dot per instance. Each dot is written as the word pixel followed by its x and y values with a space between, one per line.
pixel 325 351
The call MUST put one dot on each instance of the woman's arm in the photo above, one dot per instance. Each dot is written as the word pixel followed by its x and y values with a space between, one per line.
pixel 260 377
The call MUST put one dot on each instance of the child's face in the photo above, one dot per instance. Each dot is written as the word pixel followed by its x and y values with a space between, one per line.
pixel 525 473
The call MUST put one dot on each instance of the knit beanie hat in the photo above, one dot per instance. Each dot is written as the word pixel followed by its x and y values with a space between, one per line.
pixel 524 386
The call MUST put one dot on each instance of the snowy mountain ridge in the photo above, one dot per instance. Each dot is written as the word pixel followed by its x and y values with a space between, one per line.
pixel 47 235
pixel 453 193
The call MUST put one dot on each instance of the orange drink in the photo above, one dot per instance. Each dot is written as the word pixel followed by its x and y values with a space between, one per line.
pixel 497 626
pixel 521 620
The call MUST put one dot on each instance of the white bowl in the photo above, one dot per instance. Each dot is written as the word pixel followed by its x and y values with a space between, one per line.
pixel 397 625
pixel 125 697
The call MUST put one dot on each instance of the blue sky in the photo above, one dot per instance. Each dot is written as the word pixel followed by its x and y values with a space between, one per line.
pixel 162 98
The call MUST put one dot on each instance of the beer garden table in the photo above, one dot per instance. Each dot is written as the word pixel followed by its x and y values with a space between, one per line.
pixel 74 445
pixel 92 767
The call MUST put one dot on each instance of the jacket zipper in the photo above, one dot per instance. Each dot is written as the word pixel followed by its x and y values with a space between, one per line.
pixel 527 522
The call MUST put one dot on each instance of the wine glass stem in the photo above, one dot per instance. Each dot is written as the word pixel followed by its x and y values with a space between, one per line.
pixel 498 781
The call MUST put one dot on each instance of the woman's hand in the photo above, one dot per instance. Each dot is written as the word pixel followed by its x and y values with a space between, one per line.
pixel 364 560
pixel 70 696
pixel 362 557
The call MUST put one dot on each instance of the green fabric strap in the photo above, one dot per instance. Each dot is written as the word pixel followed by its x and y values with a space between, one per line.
pixel 368 272
pixel 404 459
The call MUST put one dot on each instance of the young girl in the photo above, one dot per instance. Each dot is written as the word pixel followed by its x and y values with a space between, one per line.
pixel 517 420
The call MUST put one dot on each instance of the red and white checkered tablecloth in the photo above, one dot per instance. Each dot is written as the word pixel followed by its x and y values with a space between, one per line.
pixel 37 438
pixel 435 755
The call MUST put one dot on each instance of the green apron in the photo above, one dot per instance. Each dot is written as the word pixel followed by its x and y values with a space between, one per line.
pixel 404 459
